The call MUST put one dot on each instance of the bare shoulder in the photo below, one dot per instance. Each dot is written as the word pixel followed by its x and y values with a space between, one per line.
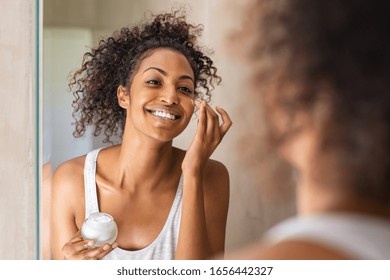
pixel 302 250
pixel 216 192
pixel 288 250
pixel 216 180
pixel 68 181
pixel 67 203
pixel 216 171
pixel 216 184
pixel 70 171
pixel 216 203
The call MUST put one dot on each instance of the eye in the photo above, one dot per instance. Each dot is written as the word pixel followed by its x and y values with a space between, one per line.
pixel 153 82
pixel 186 90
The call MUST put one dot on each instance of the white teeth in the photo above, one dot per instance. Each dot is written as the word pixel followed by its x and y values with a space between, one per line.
pixel 164 115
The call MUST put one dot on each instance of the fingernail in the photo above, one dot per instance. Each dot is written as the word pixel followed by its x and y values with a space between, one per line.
pixel 106 247
pixel 114 245
pixel 90 243
pixel 196 102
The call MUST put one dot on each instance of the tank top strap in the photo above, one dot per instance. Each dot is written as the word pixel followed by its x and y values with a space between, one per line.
pixel 173 220
pixel 91 201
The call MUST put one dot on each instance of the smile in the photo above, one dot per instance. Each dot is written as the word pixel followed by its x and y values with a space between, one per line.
pixel 164 115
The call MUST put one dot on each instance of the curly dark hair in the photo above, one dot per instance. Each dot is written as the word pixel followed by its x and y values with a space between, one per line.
pixel 115 61
pixel 328 60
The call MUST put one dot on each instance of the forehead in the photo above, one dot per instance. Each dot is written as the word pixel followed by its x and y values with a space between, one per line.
pixel 168 60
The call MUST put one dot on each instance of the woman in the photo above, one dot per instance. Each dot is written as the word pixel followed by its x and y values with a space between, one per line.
pixel 323 68
pixel 167 203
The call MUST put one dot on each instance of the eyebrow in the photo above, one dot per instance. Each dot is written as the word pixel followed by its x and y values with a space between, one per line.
pixel 182 77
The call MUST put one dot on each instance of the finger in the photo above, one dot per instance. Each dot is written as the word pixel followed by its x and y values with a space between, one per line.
pixel 202 121
pixel 213 128
pixel 217 131
pixel 226 121
pixel 107 251
pixel 76 237
pixel 197 103
pixel 212 123
pixel 98 252
pixel 210 110
pixel 71 250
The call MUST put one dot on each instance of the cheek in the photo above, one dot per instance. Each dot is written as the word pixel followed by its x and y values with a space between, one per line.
pixel 189 109
pixel 137 100
pixel 186 103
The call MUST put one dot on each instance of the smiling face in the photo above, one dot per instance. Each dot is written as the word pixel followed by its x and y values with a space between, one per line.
pixel 161 92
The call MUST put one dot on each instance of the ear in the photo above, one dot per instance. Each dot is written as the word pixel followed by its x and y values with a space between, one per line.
pixel 123 97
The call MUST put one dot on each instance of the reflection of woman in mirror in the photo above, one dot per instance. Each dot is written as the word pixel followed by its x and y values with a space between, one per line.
pixel 323 71
pixel 144 84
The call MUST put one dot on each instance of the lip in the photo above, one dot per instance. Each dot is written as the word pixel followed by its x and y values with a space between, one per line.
pixel 166 110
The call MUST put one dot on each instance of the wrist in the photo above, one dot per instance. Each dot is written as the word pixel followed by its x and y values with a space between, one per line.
pixel 196 173
pixel 193 178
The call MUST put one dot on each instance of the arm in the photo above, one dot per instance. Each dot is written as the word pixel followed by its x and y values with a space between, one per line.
pixel 202 228
pixel 216 205
pixel 67 200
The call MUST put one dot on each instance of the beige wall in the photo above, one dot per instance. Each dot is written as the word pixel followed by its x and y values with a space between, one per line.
pixel 251 211
pixel 17 130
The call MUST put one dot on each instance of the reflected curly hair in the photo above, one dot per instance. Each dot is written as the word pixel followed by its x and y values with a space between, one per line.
pixel 328 60
pixel 115 61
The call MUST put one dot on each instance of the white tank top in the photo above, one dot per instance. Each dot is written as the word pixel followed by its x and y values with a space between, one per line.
pixel 163 247
pixel 357 236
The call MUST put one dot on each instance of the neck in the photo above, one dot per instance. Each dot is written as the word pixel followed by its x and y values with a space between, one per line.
pixel 144 161
pixel 314 197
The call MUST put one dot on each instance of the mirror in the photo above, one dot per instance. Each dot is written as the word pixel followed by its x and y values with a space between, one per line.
pixel 71 27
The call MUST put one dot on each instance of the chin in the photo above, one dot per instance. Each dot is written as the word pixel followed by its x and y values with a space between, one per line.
pixel 164 136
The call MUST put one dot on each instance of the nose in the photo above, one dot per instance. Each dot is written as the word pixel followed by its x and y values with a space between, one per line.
pixel 169 95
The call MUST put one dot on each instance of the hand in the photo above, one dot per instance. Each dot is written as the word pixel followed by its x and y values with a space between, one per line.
pixel 207 137
pixel 79 249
